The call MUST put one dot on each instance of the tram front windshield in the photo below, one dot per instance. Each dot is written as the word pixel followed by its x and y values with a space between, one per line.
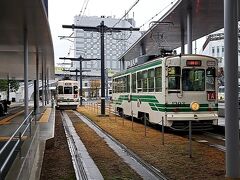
pixel 193 79
pixel 67 90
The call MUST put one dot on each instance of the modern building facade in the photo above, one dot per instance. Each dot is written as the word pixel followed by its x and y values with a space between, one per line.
pixel 88 45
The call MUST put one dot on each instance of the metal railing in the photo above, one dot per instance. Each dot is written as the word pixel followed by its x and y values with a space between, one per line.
pixel 17 138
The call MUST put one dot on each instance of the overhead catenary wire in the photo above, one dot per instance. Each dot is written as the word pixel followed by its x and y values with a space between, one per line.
pixel 126 13
pixel 83 9
pixel 157 14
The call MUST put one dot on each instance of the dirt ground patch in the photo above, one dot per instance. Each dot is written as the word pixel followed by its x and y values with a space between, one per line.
pixel 172 158
pixel 57 161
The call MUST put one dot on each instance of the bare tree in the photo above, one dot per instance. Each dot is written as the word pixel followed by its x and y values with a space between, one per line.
pixel 94 88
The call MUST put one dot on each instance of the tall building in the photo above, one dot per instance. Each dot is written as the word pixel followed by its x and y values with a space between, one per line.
pixel 87 43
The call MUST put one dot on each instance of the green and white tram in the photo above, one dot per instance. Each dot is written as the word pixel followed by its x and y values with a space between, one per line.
pixel 173 90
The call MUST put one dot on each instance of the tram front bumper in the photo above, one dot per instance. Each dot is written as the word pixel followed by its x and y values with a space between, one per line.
pixel 192 117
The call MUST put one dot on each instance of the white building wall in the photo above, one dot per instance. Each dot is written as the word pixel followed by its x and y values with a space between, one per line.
pixel 215 48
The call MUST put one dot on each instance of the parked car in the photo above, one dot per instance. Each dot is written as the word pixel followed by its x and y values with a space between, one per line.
pixel 221 93
pixel 84 99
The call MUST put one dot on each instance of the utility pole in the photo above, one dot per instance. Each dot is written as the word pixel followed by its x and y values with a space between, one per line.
pixel 101 29
pixel 76 71
pixel 80 59
pixel 106 74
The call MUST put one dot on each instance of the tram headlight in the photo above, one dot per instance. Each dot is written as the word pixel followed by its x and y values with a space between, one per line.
pixel 194 106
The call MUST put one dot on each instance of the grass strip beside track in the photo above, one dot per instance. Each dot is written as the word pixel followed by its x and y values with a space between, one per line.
pixel 172 158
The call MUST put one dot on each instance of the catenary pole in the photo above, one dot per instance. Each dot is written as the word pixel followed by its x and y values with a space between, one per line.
pixel 102 29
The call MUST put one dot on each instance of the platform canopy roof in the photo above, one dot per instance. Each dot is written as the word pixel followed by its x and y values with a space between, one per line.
pixel 207 17
pixel 15 16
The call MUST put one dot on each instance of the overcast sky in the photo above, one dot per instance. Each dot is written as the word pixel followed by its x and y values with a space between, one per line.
pixel 63 12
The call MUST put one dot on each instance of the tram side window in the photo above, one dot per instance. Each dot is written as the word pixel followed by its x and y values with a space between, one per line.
pixel 118 85
pixel 68 90
pixel 60 89
pixel 144 80
pixel 128 83
pixel 124 84
pixel 75 89
pixel 174 77
pixel 193 79
pixel 113 86
pixel 158 79
pixel 121 88
pixel 139 82
pixel 134 83
pixel 210 78
pixel 151 80
pixel 115 90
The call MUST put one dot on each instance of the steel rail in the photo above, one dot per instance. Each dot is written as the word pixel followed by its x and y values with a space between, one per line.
pixel 209 143
pixel 76 159
pixel 218 137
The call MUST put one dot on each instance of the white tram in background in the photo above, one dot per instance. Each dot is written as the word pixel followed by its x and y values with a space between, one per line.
pixel 173 90
pixel 67 96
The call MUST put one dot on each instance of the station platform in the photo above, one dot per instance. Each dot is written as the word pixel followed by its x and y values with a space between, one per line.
pixel 28 164
pixel 46 135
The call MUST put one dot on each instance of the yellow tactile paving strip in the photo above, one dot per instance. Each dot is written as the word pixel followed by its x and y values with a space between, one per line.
pixel 6 120
pixel 45 116
pixel 5 138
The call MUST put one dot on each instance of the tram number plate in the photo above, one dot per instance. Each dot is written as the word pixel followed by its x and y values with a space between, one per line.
pixel 211 95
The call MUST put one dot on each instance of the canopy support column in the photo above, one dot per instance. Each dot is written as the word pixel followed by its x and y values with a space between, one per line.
pixel 231 88
pixel 36 86
pixel 25 73
pixel 189 29
pixel 182 41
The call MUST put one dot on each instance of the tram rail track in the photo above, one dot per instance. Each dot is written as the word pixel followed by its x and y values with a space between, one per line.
pixel 211 139
pixel 143 167
pixel 76 159
pixel 76 149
